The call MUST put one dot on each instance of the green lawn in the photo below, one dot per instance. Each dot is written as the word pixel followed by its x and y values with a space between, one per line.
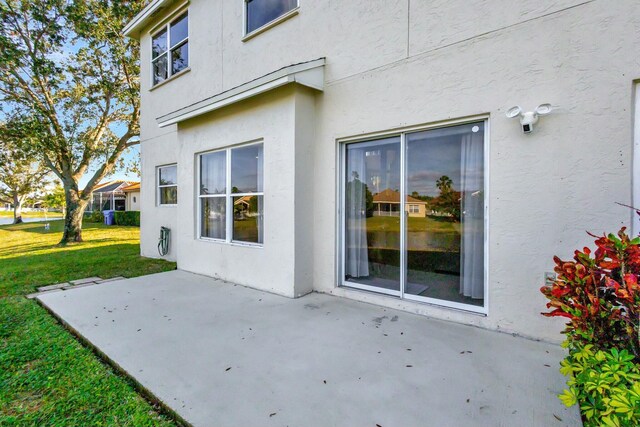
pixel 9 214
pixel 392 223
pixel 47 378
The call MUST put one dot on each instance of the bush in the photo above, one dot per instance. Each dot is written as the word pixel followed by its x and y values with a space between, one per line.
pixel 96 216
pixel 127 218
pixel 600 296
pixel 605 384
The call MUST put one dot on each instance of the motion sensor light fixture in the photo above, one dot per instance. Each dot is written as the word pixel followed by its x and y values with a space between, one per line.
pixel 528 119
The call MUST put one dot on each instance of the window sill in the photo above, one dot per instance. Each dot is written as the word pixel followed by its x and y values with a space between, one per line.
pixel 166 205
pixel 271 24
pixel 173 77
pixel 232 243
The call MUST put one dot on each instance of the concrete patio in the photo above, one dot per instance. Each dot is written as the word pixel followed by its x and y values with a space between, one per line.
pixel 219 354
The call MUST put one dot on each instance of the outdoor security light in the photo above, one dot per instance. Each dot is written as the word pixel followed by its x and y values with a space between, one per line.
pixel 528 119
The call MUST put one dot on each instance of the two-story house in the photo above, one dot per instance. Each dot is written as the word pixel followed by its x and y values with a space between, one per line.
pixel 269 127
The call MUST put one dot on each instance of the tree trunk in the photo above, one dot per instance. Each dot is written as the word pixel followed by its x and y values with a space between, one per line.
pixel 17 210
pixel 73 214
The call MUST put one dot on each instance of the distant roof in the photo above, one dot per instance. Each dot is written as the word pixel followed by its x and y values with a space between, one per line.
pixel 135 186
pixel 110 186
pixel 392 196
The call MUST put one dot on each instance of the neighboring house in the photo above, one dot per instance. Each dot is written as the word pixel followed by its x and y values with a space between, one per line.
pixel 305 105
pixel 109 196
pixel 132 197
pixel 387 203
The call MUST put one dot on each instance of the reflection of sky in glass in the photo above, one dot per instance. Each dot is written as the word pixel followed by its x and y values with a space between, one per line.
pixel 179 30
pixel 168 175
pixel 260 12
pixel 434 153
pixel 245 163
pixel 376 163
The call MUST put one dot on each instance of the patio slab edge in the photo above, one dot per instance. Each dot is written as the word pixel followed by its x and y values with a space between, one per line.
pixel 153 400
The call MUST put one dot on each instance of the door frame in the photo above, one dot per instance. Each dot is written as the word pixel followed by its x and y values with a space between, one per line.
pixel 341 176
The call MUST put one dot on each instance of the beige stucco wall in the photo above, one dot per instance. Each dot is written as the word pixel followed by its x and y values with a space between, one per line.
pixel 281 265
pixel 154 152
pixel 133 201
pixel 394 64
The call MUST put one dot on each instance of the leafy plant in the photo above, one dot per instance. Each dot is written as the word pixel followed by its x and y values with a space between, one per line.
pixel 600 295
pixel 605 384
pixel 96 216
pixel 127 218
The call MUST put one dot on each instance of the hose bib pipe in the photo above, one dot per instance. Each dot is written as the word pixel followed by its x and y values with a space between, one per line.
pixel 163 244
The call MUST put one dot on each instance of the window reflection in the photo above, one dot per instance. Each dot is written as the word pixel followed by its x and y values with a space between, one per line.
pixel 247 219
pixel 443 210
pixel 246 169
pixel 261 12
pixel 372 217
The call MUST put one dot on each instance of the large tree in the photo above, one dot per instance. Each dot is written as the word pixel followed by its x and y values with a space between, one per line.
pixel 21 174
pixel 68 64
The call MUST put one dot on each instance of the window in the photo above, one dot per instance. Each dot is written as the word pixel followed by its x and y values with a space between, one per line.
pixel 231 194
pixel 167 185
pixel 261 12
pixel 170 49
pixel 435 253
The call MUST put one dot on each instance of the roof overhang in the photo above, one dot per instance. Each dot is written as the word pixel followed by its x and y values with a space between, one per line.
pixel 146 15
pixel 310 74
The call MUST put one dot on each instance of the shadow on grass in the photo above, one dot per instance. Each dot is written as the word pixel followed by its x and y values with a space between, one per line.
pixel 21 275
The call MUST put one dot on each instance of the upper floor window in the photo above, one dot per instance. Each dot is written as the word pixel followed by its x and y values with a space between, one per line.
pixel 168 185
pixel 261 12
pixel 170 49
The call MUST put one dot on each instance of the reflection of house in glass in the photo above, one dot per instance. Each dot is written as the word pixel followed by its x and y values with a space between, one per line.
pixel 109 196
pixel 387 203
pixel 242 206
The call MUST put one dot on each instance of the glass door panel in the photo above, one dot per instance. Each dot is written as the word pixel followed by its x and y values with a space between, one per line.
pixel 372 215
pixel 445 214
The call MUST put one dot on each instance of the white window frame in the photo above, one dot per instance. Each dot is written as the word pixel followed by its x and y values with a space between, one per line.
pixel 158 186
pixel 250 34
pixel 167 27
pixel 228 196
pixel 414 208
pixel 340 280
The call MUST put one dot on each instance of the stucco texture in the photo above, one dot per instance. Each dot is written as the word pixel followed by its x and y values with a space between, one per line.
pixel 397 64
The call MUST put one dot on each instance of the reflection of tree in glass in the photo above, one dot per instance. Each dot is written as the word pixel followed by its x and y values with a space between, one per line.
pixel 449 200
pixel 359 198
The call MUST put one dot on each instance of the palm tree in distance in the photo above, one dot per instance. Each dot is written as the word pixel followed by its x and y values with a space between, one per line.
pixel 444 184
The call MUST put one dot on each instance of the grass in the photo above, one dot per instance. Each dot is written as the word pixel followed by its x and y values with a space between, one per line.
pixel 47 378
pixel 9 214
pixel 432 224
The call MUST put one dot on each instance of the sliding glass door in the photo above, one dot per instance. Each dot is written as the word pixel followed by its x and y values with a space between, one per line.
pixel 413 223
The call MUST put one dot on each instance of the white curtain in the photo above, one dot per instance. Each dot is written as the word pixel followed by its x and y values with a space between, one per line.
pixel 472 244
pixel 260 218
pixel 213 173
pixel 213 169
pixel 357 258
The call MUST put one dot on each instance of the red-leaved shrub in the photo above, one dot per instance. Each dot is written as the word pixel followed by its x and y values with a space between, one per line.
pixel 600 294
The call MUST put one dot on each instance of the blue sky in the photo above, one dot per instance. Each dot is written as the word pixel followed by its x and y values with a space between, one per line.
pixel 129 155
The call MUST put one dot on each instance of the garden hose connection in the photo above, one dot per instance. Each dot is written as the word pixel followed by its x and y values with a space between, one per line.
pixel 163 244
